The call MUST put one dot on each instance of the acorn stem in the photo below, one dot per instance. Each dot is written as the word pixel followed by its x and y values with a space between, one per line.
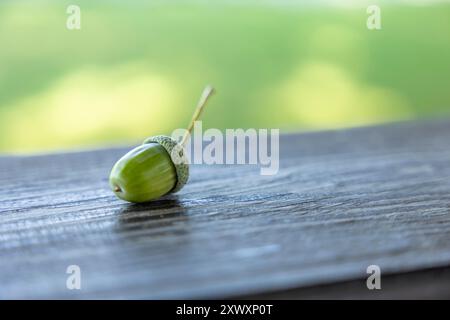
pixel 207 92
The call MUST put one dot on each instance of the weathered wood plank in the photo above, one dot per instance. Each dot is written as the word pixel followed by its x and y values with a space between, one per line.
pixel 423 284
pixel 342 200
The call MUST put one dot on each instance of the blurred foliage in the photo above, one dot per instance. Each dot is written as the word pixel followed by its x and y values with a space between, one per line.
pixel 137 68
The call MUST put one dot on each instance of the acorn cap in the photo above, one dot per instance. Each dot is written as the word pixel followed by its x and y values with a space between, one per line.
pixel 178 157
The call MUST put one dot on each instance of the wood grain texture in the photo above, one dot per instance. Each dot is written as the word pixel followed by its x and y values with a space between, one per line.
pixel 342 200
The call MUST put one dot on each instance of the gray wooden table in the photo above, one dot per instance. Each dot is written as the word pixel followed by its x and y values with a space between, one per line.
pixel 342 200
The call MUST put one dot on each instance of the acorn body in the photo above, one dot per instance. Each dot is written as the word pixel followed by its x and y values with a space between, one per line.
pixel 148 171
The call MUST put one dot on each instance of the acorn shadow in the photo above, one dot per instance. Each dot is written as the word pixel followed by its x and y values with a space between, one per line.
pixel 159 214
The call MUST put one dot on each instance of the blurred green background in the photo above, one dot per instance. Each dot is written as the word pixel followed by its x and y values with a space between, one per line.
pixel 136 68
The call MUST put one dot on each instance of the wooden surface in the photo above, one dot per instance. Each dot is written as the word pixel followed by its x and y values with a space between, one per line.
pixel 343 200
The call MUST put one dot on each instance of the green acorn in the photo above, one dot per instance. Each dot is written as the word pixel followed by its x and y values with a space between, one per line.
pixel 155 168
